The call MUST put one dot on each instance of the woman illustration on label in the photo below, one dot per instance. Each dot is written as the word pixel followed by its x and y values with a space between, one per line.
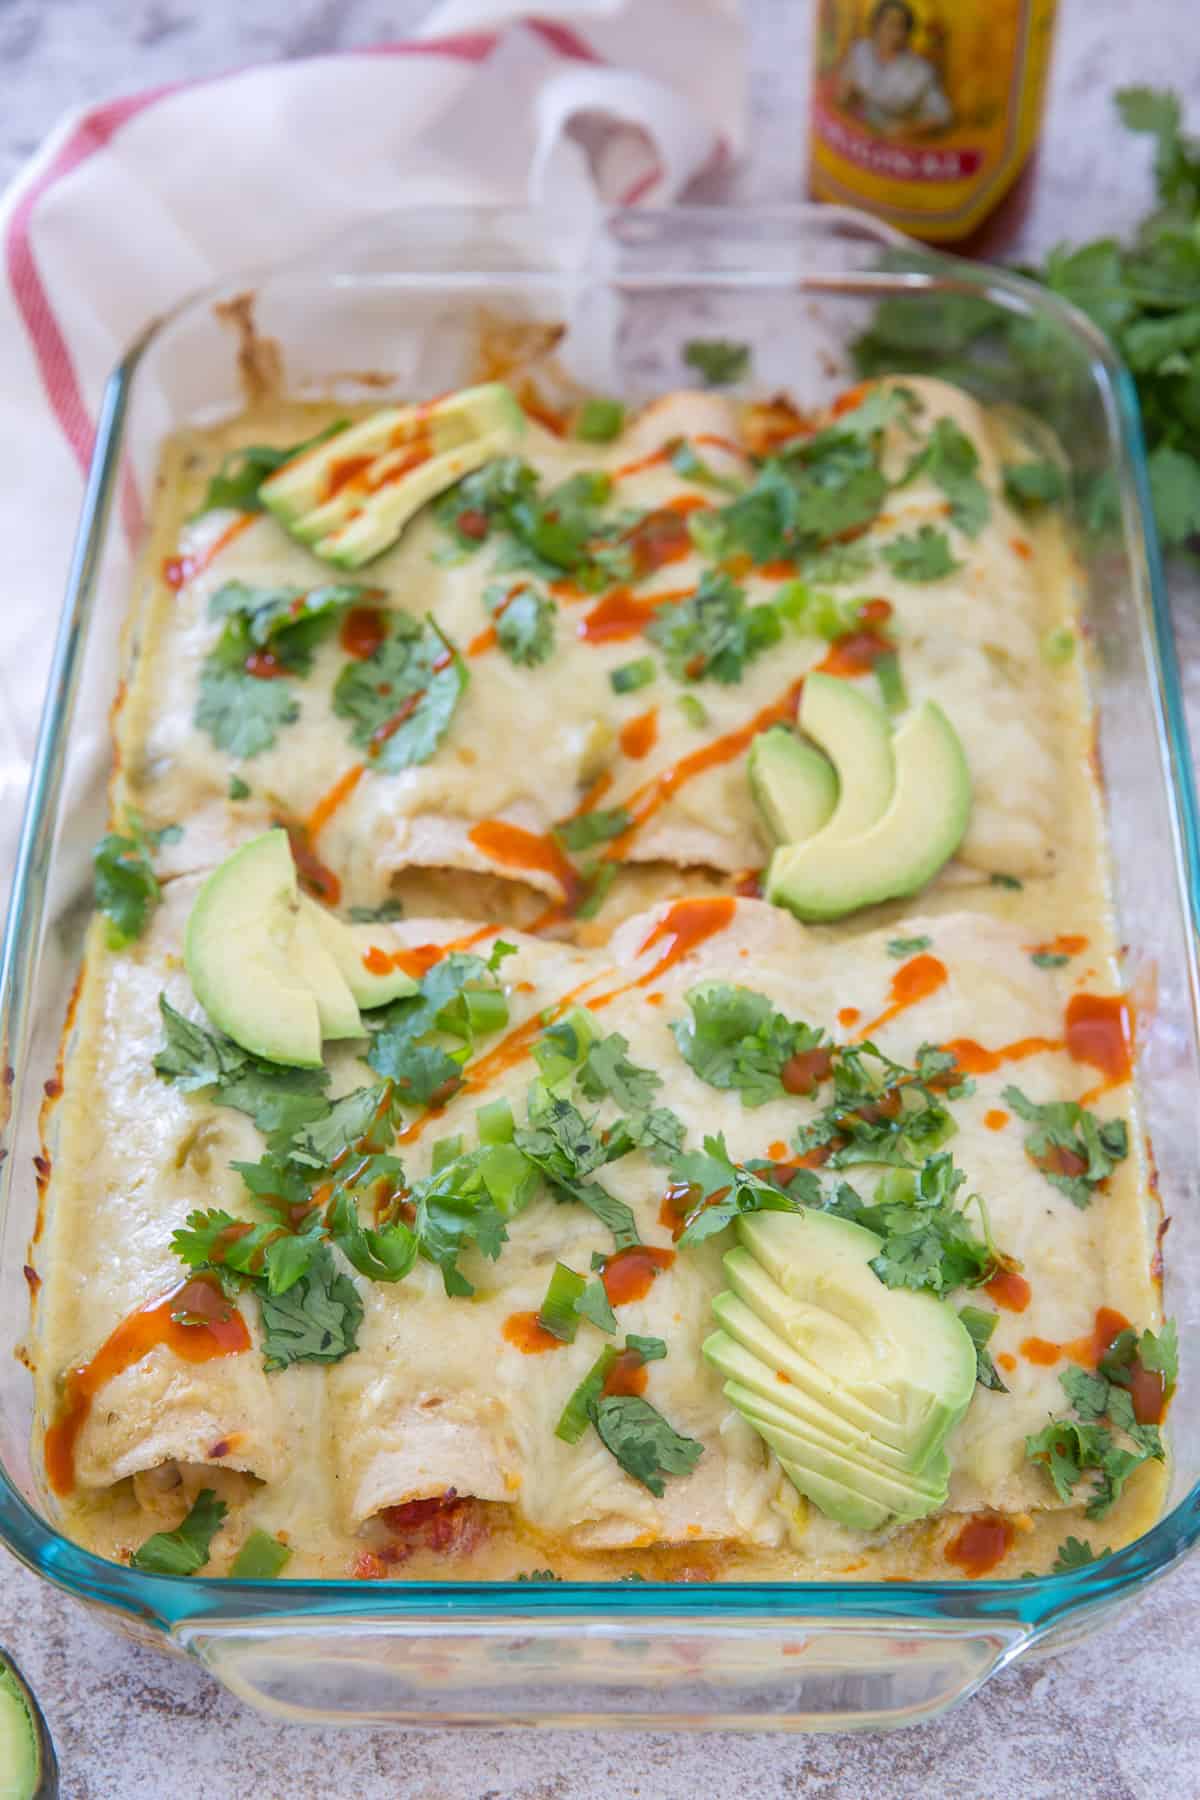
pixel 885 84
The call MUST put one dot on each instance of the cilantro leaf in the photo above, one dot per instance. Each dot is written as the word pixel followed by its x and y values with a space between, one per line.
pixel 716 1190
pixel 240 712
pixel 383 914
pixel 400 699
pixel 882 1111
pixel 188 1547
pixel 565 1149
pixel 562 532
pixel 951 460
pixel 287 623
pixel 607 1071
pixel 1073 1553
pixel 352 1121
pixel 385 1254
pixel 404 1047
pixel 1030 485
pixel 644 1444
pixel 687 462
pixel 736 1039
pixel 242 472
pixel 277 1099
pixel 1049 959
pixel 720 361
pixel 923 556
pixel 238 789
pixel 658 1132
pixel 456 1207
pixel 928 1242
pixel 315 1320
pixel 713 633
pixel 1074 1150
pixel 1175 489
pixel 1160 1354
pixel 125 886
pixel 525 622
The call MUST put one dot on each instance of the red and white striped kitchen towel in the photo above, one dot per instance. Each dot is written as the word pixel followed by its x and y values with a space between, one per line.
pixel 135 202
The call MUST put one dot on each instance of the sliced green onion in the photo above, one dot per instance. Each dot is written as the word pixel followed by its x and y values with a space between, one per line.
pixel 599 879
pixel 815 614
pixel 978 1322
pixel 495 1122
pixel 575 1414
pixel 599 421
pixel 693 710
pixel 896 1187
pixel 487 1010
pixel 563 1045
pixel 446 1150
pixel 509 1177
pixel 633 675
pixel 260 1558
pixel 1058 647
pixel 595 827
pixel 891 681
pixel 557 1313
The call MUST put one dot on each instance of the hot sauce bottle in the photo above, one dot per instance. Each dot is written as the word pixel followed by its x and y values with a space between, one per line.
pixel 926 112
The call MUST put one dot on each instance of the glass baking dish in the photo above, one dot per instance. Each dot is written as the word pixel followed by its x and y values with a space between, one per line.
pixel 403 297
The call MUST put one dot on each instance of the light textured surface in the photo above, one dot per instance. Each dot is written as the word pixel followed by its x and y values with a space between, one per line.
pixel 1116 1718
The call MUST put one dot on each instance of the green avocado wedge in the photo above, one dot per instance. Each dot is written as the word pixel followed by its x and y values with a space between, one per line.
pixel 854 1385
pixel 918 831
pixel 795 788
pixel 350 497
pixel 28 1765
pixel 856 736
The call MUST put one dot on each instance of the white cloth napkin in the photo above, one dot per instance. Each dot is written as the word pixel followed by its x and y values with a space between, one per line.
pixel 134 203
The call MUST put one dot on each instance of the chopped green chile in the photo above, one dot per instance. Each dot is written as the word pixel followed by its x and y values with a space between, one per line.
pixel 558 1314
pixel 891 682
pixel 599 421
pixel 576 1416
pixel 260 1558
pixel 693 710
pixel 633 675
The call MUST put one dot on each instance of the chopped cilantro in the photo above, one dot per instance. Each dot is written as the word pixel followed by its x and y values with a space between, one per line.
pixel 562 532
pixel 238 789
pixel 980 1326
pixel 241 713
pixel 736 1039
pixel 599 421
pixel 720 361
pixel 538 1575
pixel 951 460
pixel 279 1100
pixel 882 1111
pixel 242 472
pixel 693 711
pixel 718 1190
pixel 566 1149
pixel 1073 1148
pixel 686 461
pixel 928 1242
pixel 606 1071
pixel 837 565
pixel 1109 1441
pixel 595 827
pixel 404 1046
pixel 1029 485
pixel 525 621
pixel 908 946
pixel 315 1320
pixel 286 623
pixel 401 699
pixel 644 1444
pixel 924 556
pixel 713 633
pixel 1049 959
pixel 1073 1553
pixel 189 1546
pixel 1005 881
pixel 125 886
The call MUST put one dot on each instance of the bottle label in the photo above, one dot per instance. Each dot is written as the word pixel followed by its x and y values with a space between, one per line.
pixel 924 111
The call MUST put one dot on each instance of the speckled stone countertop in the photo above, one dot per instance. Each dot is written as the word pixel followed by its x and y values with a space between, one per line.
pixel 1117 1718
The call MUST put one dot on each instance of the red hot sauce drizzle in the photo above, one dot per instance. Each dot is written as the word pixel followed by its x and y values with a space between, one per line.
pixel 913 982
pixel 630 1274
pixel 218 1330
pixel 984 1541
pixel 1100 1032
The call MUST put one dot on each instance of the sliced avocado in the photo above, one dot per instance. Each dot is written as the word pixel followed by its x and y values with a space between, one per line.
pixel 349 946
pixel 795 788
pixel 28 1765
pixel 257 963
pixel 856 736
pixel 920 830
pixel 350 497
pixel 854 1385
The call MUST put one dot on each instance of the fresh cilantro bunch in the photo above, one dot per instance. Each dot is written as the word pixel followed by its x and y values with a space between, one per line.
pixel 274 631
pixel 1106 1440
pixel 1074 1149
pixel 1144 294
pixel 124 884
pixel 735 1039
pixel 400 699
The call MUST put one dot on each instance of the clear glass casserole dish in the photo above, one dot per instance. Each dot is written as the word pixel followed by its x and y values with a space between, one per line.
pixel 404 297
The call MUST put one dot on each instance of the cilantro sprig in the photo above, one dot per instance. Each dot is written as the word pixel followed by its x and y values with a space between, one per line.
pixel 1074 1149
pixel 124 884
pixel 714 633
pixel 1106 1441
pixel 189 1546
pixel 399 701
pixel 735 1039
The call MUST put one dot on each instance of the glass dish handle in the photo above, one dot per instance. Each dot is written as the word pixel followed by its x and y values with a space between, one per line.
pixel 798 1673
